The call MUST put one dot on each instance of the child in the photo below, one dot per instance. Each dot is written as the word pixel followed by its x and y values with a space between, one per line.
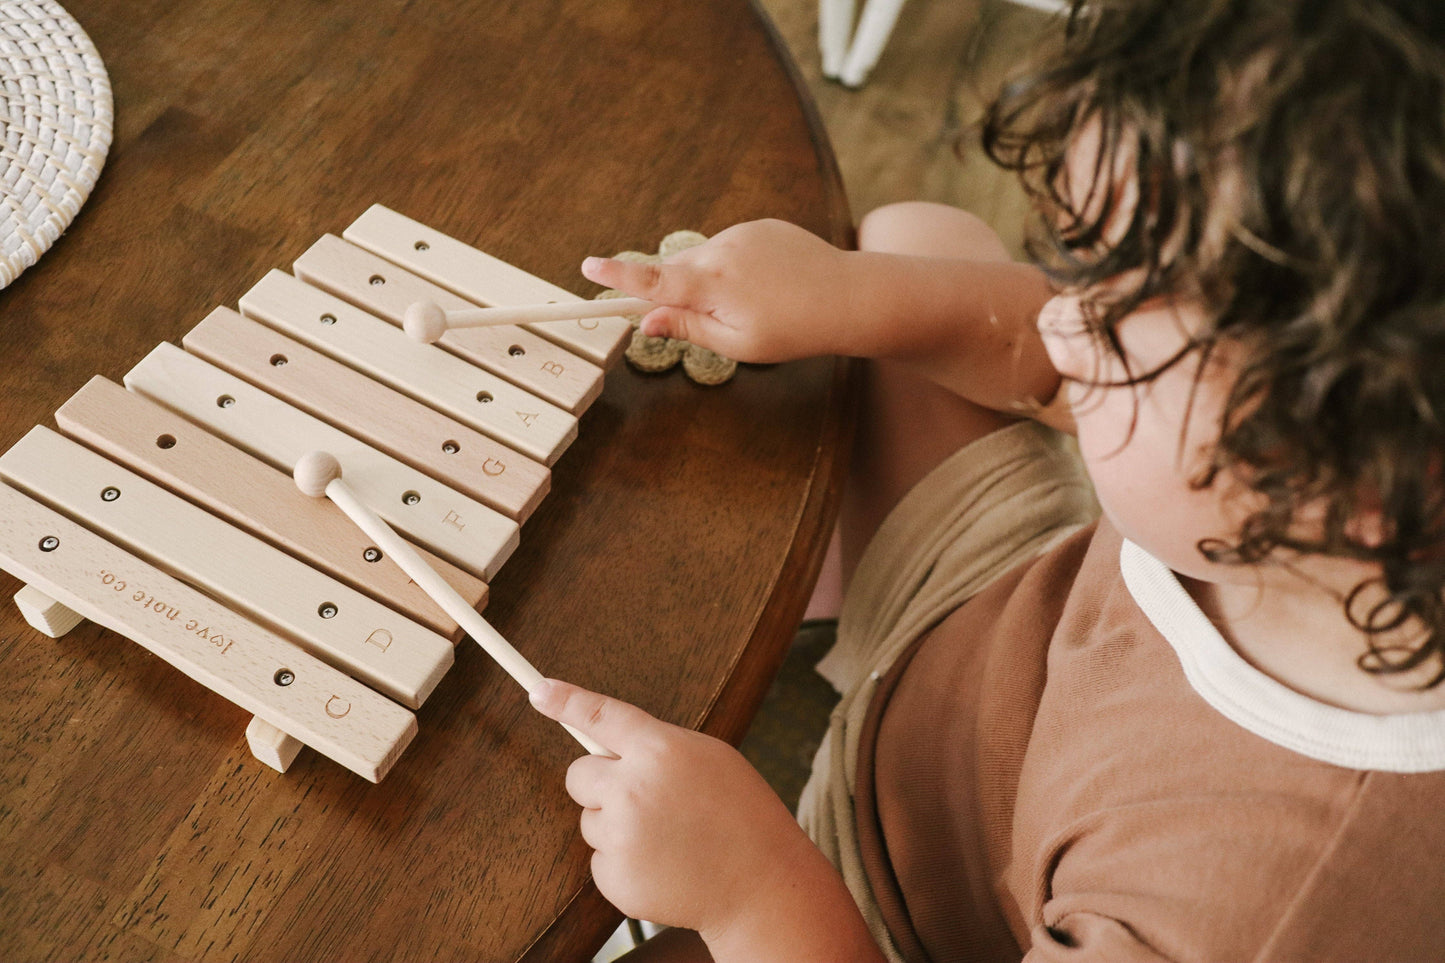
pixel 1206 727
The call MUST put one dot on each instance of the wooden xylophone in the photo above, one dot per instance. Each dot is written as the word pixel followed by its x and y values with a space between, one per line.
pixel 165 511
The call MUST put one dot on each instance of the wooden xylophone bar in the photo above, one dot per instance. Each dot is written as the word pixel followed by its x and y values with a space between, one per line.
pixel 166 513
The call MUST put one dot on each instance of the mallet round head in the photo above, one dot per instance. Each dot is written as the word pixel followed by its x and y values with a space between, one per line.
pixel 425 321
pixel 314 471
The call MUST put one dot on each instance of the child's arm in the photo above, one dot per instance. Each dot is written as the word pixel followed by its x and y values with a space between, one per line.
pixel 686 833
pixel 769 291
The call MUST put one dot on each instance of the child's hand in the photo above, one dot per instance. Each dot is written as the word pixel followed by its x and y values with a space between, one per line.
pixel 685 832
pixel 763 291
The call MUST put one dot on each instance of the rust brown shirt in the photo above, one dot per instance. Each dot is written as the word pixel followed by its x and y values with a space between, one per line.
pixel 1039 777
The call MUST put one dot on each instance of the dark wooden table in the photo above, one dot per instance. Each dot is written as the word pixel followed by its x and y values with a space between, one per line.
pixel 668 566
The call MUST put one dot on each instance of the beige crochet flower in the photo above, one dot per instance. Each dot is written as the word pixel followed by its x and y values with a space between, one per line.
pixel 659 354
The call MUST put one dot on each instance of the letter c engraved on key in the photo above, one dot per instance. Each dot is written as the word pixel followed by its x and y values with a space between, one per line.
pixel 337 707
pixel 381 638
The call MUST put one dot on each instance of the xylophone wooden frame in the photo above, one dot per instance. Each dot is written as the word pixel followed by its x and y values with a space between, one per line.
pixel 318 661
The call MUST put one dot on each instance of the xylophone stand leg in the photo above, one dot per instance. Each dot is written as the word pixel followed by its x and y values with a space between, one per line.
pixel 46 614
pixel 270 745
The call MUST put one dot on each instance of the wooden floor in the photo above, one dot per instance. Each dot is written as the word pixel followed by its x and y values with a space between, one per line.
pixel 911 131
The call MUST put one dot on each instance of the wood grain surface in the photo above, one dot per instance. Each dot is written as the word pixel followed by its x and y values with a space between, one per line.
pixel 668 566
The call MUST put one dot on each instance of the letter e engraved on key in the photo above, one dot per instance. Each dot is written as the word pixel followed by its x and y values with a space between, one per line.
pixel 493 467
pixel 554 368
pixel 152 604
pixel 452 518
pixel 337 707
pixel 381 638
pixel 527 417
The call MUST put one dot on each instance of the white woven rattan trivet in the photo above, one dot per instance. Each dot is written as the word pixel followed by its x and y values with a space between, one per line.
pixel 56 112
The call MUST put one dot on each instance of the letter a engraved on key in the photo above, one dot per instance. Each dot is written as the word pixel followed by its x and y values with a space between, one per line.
pixel 381 638
pixel 337 707
pixel 527 417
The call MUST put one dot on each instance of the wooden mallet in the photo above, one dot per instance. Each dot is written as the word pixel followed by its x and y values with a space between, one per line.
pixel 426 321
pixel 318 474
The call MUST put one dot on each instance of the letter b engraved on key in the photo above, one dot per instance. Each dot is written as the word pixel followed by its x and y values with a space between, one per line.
pixel 554 368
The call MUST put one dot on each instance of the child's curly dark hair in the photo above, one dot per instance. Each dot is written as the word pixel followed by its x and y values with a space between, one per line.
pixel 1290 160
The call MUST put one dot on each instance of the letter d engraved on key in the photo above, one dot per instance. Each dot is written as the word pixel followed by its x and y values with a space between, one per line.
pixel 381 638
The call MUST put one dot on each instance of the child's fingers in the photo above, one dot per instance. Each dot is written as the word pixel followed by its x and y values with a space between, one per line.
pixel 674 284
pixel 694 327
pixel 594 829
pixel 610 722
pixel 586 779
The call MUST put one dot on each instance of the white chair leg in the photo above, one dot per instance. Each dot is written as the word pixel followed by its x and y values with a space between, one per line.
pixel 850 63
pixel 874 26
pixel 835 24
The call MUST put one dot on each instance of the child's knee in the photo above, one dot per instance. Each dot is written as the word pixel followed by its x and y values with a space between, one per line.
pixel 927 229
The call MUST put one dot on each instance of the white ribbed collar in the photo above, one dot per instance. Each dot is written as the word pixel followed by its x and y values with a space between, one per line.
pixel 1412 742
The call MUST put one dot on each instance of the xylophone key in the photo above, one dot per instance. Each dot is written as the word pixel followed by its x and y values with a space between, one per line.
pixel 527 360
pixel 493 406
pixel 456 527
pixel 223 479
pixel 334 623
pixel 257 670
pixel 403 428
pixel 485 280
